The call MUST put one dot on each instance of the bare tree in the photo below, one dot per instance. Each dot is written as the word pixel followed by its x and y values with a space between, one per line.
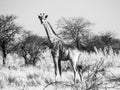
pixel 8 30
pixel 75 30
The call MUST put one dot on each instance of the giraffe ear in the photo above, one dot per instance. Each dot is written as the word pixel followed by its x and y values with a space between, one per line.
pixel 38 16
pixel 46 16
pixel 40 19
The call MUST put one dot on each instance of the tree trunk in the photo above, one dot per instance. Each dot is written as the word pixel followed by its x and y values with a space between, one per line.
pixel 4 59
pixel 25 58
pixel 34 60
pixel 77 44
pixel 4 55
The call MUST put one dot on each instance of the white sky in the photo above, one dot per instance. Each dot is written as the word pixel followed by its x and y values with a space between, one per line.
pixel 104 13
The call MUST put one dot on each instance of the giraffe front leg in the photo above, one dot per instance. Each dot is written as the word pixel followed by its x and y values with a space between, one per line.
pixel 74 75
pixel 60 70
pixel 59 67
pixel 55 64
pixel 55 69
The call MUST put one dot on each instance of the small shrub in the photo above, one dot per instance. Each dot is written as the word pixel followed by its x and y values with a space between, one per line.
pixel 11 80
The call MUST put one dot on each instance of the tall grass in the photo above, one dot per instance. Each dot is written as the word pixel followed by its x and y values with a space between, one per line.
pixel 100 72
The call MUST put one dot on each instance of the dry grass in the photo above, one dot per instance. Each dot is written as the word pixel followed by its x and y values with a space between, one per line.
pixel 102 74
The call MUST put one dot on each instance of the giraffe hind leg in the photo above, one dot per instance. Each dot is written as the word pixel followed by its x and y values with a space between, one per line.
pixel 80 72
pixel 74 70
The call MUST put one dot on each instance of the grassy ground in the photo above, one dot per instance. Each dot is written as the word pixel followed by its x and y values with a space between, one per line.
pixel 103 73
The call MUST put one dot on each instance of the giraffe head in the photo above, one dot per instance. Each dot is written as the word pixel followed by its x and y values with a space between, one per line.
pixel 42 17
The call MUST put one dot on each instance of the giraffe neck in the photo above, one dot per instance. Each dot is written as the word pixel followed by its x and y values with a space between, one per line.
pixel 48 36
pixel 53 31
pixel 53 36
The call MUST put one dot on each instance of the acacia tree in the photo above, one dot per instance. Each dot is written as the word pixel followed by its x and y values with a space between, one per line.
pixel 102 41
pixel 95 42
pixel 30 47
pixel 8 30
pixel 75 30
pixel 107 38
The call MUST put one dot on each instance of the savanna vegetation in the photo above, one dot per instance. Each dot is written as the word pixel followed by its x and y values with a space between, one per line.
pixel 26 63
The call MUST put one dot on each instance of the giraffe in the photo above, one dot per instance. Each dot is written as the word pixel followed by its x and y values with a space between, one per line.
pixel 52 47
pixel 60 51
